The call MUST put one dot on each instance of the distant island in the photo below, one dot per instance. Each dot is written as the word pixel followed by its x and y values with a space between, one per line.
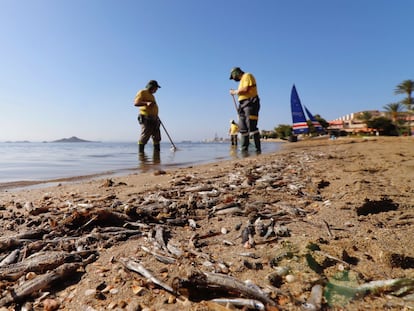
pixel 72 139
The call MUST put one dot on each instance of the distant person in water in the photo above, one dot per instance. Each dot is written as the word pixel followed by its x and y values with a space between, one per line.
pixel 233 131
pixel 148 116
pixel 249 106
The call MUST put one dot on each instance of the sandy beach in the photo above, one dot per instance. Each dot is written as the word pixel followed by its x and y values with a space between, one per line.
pixel 330 215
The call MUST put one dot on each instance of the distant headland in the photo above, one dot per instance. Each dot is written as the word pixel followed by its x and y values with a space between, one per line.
pixel 72 139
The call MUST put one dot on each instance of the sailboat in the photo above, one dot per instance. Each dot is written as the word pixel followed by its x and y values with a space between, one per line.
pixel 300 124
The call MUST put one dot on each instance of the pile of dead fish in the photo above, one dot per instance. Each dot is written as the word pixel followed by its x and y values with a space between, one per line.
pixel 48 244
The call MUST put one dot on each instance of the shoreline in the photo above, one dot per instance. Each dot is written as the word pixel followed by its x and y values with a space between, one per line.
pixel 18 185
pixel 164 170
pixel 152 172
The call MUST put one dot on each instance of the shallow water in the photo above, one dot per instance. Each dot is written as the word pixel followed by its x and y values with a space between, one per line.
pixel 48 161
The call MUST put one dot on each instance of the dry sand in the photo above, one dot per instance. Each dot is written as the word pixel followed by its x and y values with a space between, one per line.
pixel 342 207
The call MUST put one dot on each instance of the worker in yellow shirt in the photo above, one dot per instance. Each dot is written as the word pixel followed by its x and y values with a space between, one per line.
pixel 248 109
pixel 233 131
pixel 148 116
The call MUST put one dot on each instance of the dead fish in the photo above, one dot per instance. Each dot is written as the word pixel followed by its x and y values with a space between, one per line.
pixel 176 251
pixel 241 302
pixel 236 285
pixel 38 262
pixel 139 268
pixel 211 193
pixel 247 235
pixel 260 227
pixel 251 255
pixel 230 210
pixel 198 188
pixel 282 231
pixel 159 257
pixel 38 283
pixel 160 237
pixel 192 223
pixel 11 258
pixel 314 302
pixel 270 230
pixel 85 205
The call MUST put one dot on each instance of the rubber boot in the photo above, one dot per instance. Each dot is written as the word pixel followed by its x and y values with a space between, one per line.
pixel 256 138
pixel 244 142
pixel 157 147
pixel 141 148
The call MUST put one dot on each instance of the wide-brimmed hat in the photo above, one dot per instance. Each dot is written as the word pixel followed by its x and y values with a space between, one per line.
pixel 152 83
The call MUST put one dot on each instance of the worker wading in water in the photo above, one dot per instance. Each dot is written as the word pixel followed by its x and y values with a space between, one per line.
pixel 233 131
pixel 148 116
pixel 249 106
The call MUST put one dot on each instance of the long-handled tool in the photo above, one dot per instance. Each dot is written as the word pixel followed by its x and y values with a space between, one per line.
pixel 173 146
pixel 235 104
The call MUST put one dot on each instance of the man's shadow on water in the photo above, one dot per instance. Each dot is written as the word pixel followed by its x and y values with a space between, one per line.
pixel 146 162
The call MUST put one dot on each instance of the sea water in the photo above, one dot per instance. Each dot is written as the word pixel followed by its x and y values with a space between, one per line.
pixel 36 161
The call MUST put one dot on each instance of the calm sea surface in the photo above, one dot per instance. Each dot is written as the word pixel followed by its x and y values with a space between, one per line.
pixel 48 161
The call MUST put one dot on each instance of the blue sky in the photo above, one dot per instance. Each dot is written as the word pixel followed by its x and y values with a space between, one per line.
pixel 73 67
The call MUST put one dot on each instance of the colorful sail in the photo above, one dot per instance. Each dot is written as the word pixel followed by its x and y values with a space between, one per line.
pixel 315 123
pixel 300 126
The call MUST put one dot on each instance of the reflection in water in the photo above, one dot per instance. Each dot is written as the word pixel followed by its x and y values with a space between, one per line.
pixel 146 163
pixel 236 153
pixel 233 151
pixel 156 158
pixel 195 153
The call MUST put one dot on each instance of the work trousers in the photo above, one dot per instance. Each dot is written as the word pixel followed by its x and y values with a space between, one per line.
pixel 233 140
pixel 248 118
pixel 150 127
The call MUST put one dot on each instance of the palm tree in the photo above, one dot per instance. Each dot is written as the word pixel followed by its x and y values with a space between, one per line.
pixel 394 110
pixel 365 117
pixel 406 87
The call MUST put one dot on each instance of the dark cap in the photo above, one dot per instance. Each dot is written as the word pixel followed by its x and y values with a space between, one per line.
pixel 152 83
pixel 235 71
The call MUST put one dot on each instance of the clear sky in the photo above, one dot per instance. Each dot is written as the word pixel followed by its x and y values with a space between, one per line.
pixel 73 67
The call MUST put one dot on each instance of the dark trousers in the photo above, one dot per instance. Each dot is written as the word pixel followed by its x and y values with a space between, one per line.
pixel 248 118
pixel 233 140
pixel 150 127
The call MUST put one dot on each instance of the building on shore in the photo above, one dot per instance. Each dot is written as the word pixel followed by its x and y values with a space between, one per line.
pixel 354 122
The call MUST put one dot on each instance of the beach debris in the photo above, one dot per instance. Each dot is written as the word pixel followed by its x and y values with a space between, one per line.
pixel 19 239
pixel 139 268
pixel 159 257
pixel 253 213
pixel 38 283
pixel 10 258
pixel 241 302
pixel 220 283
pixel 39 262
pixel 247 235
pixel 314 302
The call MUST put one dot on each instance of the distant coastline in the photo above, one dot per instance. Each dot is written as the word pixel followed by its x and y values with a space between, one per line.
pixel 72 139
